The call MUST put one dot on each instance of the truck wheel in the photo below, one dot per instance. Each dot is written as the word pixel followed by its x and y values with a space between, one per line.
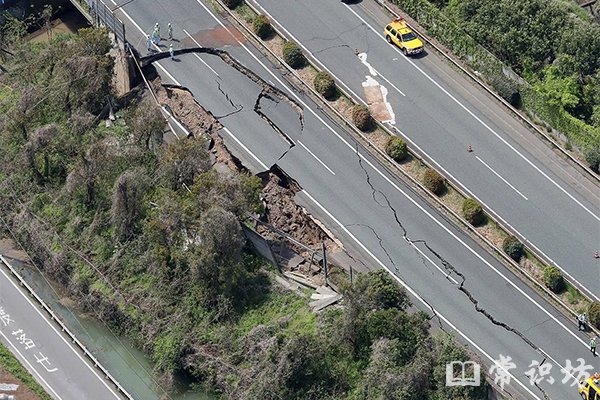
pixel 583 396
pixel 388 38
pixel 405 51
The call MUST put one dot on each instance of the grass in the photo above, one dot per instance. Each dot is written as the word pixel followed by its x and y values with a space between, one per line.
pixel 275 307
pixel 245 12
pixel 11 365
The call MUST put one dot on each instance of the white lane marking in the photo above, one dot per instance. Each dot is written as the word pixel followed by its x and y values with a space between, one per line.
pixel 324 67
pixel 479 119
pixel 144 35
pixel 316 158
pixel 515 230
pixel 444 272
pixel 31 368
pixel 390 181
pixel 59 335
pixel 374 72
pixel 411 291
pixel 198 57
pixel 499 176
pixel 245 148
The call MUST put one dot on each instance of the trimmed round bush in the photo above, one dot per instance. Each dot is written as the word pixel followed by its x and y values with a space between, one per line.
pixel 262 26
pixel 361 117
pixel 396 148
pixel 473 212
pixel 433 181
pixel 325 85
pixel 232 3
pixel 292 55
pixel 513 247
pixel 553 279
pixel 593 314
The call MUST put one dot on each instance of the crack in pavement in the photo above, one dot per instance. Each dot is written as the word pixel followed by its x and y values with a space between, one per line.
pixel 227 96
pixel 380 239
pixel 258 110
pixel 447 265
pixel 331 47
pixel 273 91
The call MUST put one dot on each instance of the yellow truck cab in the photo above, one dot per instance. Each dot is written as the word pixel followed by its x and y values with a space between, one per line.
pixel 398 33
pixel 589 389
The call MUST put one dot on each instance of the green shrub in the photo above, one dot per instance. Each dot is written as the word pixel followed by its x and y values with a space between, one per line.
pixel 361 117
pixel 553 279
pixel 325 85
pixel 433 181
pixel 593 159
pixel 396 148
pixel 232 3
pixel 513 247
pixel 262 26
pixel 593 314
pixel 292 55
pixel 473 212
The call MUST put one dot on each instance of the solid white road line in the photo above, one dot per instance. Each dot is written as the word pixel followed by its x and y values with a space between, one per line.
pixel 31 367
pixel 197 56
pixel 245 148
pixel 316 158
pixel 385 177
pixel 59 334
pixel 412 292
pixel 499 176
pixel 478 119
pixel 426 154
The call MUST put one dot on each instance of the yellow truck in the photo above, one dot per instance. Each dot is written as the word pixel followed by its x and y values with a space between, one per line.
pixel 398 33
pixel 589 389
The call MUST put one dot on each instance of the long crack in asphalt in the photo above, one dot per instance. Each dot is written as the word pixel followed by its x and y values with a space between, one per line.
pixel 281 132
pixel 447 265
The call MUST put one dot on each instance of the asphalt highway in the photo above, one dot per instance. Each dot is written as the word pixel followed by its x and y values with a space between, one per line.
pixel 376 216
pixel 46 352
pixel 545 200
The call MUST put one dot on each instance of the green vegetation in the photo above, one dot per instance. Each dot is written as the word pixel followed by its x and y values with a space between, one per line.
pixel 262 26
pixel 232 3
pixel 433 181
pixel 472 212
pixel 293 56
pixel 325 85
pixel 361 117
pixel 513 247
pixel 166 262
pixel 552 44
pixel 553 279
pixel 593 314
pixel 11 365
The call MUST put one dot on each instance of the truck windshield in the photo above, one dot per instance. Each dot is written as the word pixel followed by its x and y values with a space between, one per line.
pixel 407 37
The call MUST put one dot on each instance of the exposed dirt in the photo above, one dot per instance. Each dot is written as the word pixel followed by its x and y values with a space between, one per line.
pixel 281 211
pixel 22 392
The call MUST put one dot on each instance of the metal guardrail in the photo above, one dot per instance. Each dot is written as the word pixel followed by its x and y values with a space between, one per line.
pixel 66 330
pixel 370 145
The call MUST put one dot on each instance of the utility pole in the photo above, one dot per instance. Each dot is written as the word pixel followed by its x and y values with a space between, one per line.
pixel 351 276
pixel 324 261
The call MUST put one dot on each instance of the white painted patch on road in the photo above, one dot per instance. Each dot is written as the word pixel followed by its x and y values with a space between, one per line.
pixel 363 59
pixel 376 96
